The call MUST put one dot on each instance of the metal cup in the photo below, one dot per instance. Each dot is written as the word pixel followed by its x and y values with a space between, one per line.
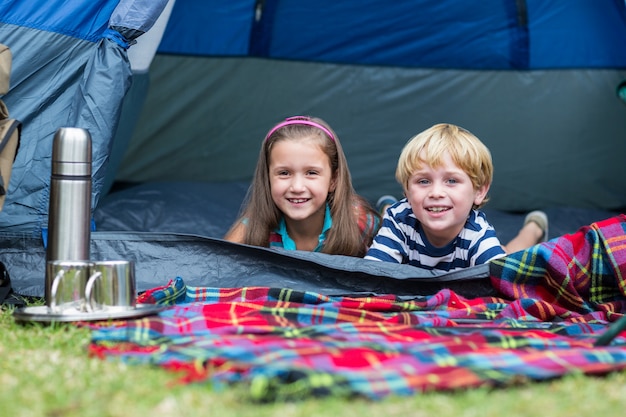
pixel 111 286
pixel 67 282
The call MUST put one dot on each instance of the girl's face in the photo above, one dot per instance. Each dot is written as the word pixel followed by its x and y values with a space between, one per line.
pixel 441 199
pixel 300 180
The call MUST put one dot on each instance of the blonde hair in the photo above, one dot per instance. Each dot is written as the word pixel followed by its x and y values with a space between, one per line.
pixel 429 147
pixel 260 213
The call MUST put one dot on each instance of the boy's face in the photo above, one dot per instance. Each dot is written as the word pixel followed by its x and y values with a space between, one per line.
pixel 441 198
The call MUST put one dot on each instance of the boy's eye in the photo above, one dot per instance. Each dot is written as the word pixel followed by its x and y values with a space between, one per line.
pixel 452 181
pixel 423 181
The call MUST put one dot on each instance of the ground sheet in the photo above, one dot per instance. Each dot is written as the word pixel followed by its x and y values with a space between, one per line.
pixel 558 299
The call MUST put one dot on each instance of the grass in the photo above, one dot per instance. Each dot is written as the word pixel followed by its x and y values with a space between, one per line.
pixel 45 371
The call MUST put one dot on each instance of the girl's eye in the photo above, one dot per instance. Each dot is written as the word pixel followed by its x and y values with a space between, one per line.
pixel 312 173
pixel 283 173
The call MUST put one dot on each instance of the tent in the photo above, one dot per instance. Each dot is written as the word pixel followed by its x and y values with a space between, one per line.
pixel 177 96
pixel 536 80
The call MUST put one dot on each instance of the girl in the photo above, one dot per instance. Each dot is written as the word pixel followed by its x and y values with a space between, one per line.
pixel 301 196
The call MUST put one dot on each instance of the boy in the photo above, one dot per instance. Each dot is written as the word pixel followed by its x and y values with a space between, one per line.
pixel 445 172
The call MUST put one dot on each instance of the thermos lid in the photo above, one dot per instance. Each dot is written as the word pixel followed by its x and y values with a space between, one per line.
pixel 71 152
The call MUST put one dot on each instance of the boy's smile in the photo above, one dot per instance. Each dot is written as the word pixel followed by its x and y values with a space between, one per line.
pixel 441 198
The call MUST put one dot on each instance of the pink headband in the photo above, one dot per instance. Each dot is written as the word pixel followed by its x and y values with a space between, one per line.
pixel 300 120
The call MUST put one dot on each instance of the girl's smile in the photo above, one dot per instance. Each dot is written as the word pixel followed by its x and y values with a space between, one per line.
pixel 300 181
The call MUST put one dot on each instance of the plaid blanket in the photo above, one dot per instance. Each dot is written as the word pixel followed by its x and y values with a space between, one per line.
pixel 579 274
pixel 557 299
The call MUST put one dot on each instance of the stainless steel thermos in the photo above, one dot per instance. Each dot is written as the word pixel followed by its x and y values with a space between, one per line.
pixel 69 214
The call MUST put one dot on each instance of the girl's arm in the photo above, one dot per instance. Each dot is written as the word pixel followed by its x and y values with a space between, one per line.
pixel 236 233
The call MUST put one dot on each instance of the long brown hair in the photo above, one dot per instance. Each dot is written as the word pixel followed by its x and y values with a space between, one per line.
pixel 261 215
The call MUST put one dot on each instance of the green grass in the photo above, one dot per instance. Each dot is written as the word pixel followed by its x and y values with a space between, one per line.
pixel 45 371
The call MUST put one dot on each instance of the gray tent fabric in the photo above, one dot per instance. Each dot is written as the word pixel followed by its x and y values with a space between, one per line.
pixel 108 74
pixel 543 127
pixel 36 74
pixel 66 79
pixel 210 262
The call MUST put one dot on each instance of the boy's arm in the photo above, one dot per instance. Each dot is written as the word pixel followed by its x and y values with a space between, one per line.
pixel 487 248
pixel 387 245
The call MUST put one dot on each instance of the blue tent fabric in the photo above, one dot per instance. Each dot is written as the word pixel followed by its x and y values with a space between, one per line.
pixel 74 18
pixel 136 16
pixel 70 69
pixel 430 34
pixel 209 27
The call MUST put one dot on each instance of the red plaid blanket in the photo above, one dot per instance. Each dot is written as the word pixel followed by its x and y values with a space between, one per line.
pixel 579 274
pixel 557 299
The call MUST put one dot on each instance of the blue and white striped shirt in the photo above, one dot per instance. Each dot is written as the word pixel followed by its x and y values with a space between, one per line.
pixel 402 240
